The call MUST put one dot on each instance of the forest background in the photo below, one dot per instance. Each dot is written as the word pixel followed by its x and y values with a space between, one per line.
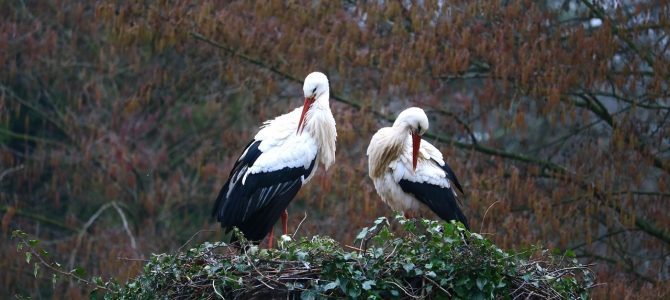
pixel 120 120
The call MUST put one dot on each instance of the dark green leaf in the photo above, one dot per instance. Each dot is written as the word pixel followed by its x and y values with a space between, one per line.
pixel 368 284
pixel 481 283
pixel 330 286
pixel 78 271
pixel 362 233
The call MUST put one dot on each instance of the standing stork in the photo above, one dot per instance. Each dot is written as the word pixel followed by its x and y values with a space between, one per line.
pixel 409 173
pixel 281 158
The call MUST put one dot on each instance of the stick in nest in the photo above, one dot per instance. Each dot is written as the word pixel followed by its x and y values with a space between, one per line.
pixel 192 237
pixel 299 224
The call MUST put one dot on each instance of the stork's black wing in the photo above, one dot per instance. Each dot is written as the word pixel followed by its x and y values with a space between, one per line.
pixel 247 159
pixel 440 200
pixel 255 205
pixel 450 174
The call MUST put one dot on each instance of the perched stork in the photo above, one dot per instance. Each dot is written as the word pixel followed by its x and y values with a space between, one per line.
pixel 409 173
pixel 281 158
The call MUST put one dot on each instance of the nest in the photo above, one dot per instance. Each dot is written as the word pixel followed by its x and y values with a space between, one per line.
pixel 427 260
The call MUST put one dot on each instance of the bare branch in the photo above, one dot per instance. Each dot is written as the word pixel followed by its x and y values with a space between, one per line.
pixel 133 244
pixel 10 171
pixel 83 230
pixel 192 237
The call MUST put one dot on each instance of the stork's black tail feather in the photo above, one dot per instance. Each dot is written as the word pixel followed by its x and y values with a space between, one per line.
pixel 441 200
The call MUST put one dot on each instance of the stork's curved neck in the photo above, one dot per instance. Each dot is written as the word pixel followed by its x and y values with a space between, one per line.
pixel 313 120
pixel 320 124
pixel 323 101
pixel 400 131
pixel 401 126
pixel 388 149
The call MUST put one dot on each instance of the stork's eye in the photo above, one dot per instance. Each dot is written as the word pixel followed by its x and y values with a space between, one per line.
pixel 418 130
pixel 314 90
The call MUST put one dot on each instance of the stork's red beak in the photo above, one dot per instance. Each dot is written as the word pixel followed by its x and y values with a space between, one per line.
pixel 416 142
pixel 308 103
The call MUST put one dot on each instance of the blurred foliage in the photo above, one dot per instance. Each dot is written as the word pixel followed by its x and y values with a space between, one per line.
pixel 429 260
pixel 120 120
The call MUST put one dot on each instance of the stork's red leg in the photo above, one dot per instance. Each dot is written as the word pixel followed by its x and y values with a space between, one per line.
pixel 271 238
pixel 284 221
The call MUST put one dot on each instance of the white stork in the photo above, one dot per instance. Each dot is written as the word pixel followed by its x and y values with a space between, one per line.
pixel 409 173
pixel 281 158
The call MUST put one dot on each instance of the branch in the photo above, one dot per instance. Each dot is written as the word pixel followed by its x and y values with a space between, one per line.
pixel 275 70
pixel 42 114
pixel 592 104
pixel 125 225
pixel 26 137
pixel 299 224
pixel 458 120
pixel 640 193
pixel 191 239
pixel 10 171
pixel 39 218
pixel 83 230
pixel 575 131
pixel 600 238
pixel 616 32
pixel 92 219
pixel 628 267
pixel 613 94
pixel 57 269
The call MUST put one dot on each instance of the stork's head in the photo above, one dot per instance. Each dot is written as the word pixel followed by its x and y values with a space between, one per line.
pixel 315 86
pixel 415 121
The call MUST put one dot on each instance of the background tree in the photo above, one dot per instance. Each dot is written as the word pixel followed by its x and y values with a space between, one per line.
pixel 120 121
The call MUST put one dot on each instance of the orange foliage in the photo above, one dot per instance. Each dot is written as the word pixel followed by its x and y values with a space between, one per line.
pixel 558 128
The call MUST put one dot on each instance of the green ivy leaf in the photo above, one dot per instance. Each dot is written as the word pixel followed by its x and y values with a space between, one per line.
pixel 501 284
pixel 367 285
pixel 18 234
pixel 331 285
pixel 481 283
pixel 408 267
pixel 78 271
pixel 354 292
pixel 477 271
pixel 308 295
pixel 28 256
pixel 362 234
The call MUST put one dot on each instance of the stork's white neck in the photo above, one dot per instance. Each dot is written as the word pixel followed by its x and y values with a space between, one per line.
pixel 323 101
pixel 321 125
pixel 388 148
